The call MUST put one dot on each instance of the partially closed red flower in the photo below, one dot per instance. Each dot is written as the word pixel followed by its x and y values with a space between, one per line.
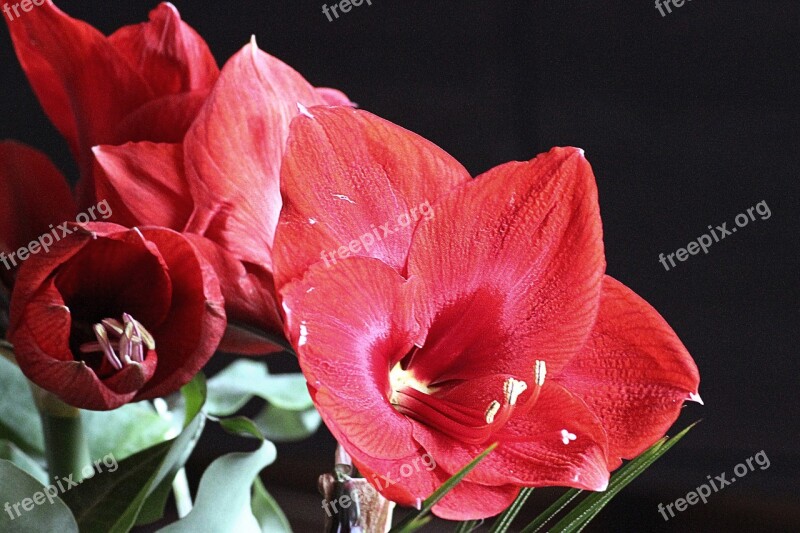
pixel 491 320
pixel 144 82
pixel 221 185
pixel 112 315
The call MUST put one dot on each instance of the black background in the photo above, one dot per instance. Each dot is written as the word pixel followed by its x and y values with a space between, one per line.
pixel 687 119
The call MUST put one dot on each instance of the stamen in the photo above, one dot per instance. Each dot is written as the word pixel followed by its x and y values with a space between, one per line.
pixel 513 388
pixel 114 325
pixel 491 411
pixel 540 372
pixel 131 338
pixel 105 345
pixel 141 332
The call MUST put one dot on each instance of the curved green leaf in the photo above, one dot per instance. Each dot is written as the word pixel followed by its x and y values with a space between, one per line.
pixel 111 502
pixel 19 418
pixel 28 507
pixel 281 425
pixel 124 431
pixel 10 452
pixel 223 500
pixel 266 510
pixel 243 380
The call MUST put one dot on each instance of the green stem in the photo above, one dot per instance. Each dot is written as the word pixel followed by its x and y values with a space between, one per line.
pixel 183 497
pixel 66 447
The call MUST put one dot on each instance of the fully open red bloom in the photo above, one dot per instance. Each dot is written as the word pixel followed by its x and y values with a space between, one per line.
pixel 491 320
pixel 221 185
pixel 144 82
pixel 111 315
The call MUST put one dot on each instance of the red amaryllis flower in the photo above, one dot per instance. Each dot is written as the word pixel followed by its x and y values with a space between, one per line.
pixel 222 183
pixel 144 82
pixel 489 321
pixel 111 315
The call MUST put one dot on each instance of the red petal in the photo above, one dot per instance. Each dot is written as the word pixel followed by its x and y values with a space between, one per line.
pixel 532 451
pixel 144 184
pixel 634 372
pixel 249 300
pixel 516 258
pixel 84 85
pixel 35 195
pixel 196 324
pixel 234 148
pixel 166 119
pixel 346 355
pixel 167 52
pixel 410 480
pixel 346 174
pixel 405 480
pixel 471 501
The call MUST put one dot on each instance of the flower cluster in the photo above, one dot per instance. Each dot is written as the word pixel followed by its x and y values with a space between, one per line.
pixel 493 321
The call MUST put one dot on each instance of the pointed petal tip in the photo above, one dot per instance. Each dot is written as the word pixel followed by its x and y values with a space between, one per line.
pixel 167 8
pixel 695 397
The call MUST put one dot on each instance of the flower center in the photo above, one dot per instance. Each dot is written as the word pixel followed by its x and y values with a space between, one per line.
pixel 460 410
pixel 132 339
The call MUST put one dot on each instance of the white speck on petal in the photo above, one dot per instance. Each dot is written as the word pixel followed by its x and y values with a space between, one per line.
pixel 304 110
pixel 567 437
pixel 694 397
pixel 303 335
pixel 310 289
pixel 343 197
pixel 312 221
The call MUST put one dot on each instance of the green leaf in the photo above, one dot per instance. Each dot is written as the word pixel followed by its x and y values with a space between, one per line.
pixel 266 510
pixel 45 510
pixel 590 507
pixel 193 396
pixel 124 431
pixel 502 524
pixel 10 452
pixel 19 418
pixel 241 426
pixel 416 520
pixel 243 380
pixel 553 510
pixel 281 425
pixel 468 527
pixel 112 501
pixel 223 500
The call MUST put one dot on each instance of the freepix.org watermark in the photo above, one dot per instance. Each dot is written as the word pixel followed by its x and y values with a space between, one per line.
pixel 378 233
pixel 381 482
pixel 60 486
pixel 705 241
pixel 344 6
pixel 665 4
pixel 26 6
pixel 45 241
pixel 702 492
